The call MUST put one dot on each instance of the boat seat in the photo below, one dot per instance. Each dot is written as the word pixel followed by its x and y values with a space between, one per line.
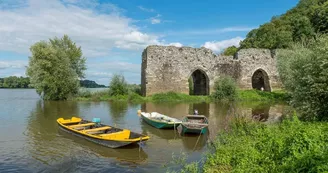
pixel 81 125
pixel 69 121
pixel 97 129
pixel 125 134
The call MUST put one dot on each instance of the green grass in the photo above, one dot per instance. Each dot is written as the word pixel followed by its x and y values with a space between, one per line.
pixel 242 95
pixel 178 97
pixel 248 146
pixel 256 95
pixel 291 146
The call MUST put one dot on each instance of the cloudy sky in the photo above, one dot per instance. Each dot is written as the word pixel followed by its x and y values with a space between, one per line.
pixel 113 33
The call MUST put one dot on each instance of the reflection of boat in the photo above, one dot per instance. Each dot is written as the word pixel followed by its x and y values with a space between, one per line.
pixel 193 143
pixel 101 134
pixel 160 121
pixel 131 153
pixel 194 124
pixel 165 134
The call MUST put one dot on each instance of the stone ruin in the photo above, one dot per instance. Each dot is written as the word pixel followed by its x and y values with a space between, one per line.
pixel 168 68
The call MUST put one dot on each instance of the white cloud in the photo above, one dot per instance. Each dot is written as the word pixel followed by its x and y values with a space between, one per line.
pixel 12 64
pixel 146 9
pixel 210 31
pixel 105 70
pixel 176 44
pixel 218 46
pixel 97 32
pixel 156 19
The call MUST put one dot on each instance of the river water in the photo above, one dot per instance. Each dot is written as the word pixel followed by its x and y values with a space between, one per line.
pixel 30 140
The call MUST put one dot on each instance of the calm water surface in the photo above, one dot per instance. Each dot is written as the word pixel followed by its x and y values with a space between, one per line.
pixel 30 140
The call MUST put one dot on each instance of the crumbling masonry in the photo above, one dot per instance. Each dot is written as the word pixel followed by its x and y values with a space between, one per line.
pixel 168 68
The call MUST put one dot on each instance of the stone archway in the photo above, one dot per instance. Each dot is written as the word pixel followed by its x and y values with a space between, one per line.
pixel 199 83
pixel 260 80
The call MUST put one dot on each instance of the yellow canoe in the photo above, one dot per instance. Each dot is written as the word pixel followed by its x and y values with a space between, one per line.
pixel 99 133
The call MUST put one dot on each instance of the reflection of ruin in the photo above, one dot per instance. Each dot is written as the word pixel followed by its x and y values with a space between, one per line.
pixel 261 113
pixel 203 108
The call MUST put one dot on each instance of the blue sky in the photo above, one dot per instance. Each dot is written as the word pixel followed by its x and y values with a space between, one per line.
pixel 114 33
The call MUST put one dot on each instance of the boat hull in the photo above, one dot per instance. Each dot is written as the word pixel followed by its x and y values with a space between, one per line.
pixel 106 143
pixel 193 131
pixel 160 125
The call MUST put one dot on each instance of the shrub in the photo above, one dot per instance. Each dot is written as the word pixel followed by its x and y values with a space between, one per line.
pixel 291 146
pixel 304 73
pixel 118 86
pixel 224 88
pixel 83 92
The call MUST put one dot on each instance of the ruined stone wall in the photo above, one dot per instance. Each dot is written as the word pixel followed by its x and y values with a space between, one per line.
pixel 168 68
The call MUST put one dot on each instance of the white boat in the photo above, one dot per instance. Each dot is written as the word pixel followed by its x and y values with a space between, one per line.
pixel 159 120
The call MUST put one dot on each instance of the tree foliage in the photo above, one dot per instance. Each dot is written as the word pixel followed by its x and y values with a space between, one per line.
pixel 224 88
pixel 301 23
pixel 55 68
pixel 90 84
pixel 118 85
pixel 304 73
pixel 15 82
pixel 290 146
pixel 230 51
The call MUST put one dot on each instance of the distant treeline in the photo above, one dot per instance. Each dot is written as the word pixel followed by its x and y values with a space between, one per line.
pixel 90 84
pixel 24 82
pixel 15 82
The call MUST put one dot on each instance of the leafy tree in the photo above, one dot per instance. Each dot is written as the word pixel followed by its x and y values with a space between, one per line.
pixel 224 88
pixel 14 82
pixel 55 68
pixel 230 51
pixel 301 23
pixel 320 18
pixel 304 73
pixel 118 85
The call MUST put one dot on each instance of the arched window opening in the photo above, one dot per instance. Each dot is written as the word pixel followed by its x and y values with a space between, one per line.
pixel 260 80
pixel 198 83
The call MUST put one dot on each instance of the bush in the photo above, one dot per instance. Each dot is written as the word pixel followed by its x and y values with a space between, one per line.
pixel 304 73
pixel 83 92
pixel 292 146
pixel 224 88
pixel 118 86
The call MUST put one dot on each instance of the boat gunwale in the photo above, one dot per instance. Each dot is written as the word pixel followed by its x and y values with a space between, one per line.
pixel 145 137
pixel 171 123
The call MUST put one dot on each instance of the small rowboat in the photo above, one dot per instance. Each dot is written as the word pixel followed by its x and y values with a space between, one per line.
pixel 160 121
pixel 99 133
pixel 194 124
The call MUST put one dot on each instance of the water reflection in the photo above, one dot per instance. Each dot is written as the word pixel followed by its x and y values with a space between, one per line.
pixel 44 147
pixel 42 129
pixel 167 134
pixel 132 154
pixel 117 110
pixel 261 112
pixel 203 109
pixel 194 142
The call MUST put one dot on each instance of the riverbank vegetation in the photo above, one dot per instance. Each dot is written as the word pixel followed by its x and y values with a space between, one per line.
pixel 225 90
pixel 15 82
pixel 248 146
pixel 304 73
pixel 24 82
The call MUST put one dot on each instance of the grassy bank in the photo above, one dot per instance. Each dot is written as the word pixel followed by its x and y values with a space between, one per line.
pixel 290 146
pixel 242 95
